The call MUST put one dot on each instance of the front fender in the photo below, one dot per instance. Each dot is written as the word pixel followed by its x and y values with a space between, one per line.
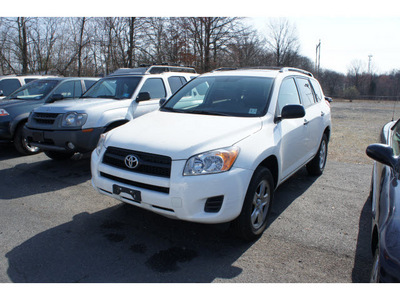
pixel 18 120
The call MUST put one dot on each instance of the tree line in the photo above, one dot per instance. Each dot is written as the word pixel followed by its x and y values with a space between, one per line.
pixel 97 46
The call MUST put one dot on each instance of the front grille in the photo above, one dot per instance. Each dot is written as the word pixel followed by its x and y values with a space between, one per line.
pixel 136 184
pixel 45 118
pixel 150 164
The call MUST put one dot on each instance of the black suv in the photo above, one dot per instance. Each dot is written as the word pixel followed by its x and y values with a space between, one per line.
pixel 15 109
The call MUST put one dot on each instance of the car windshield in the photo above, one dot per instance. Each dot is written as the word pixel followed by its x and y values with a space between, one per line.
pixel 36 90
pixel 114 88
pixel 244 96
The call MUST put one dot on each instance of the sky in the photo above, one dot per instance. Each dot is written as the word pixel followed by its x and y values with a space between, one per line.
pixel 349 30
pixel 347 39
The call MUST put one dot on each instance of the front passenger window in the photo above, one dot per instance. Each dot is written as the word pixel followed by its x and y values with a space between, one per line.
pixel 287 94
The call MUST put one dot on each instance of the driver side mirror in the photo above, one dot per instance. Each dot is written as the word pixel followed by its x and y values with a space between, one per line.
pixel 143 96
pixel 293 111
pixel 1 93
pixel 383 154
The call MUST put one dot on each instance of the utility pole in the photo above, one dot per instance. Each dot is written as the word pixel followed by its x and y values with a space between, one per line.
pixel 317 57
pixel 369 63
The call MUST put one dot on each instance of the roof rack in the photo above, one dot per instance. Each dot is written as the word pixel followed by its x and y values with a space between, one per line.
pixel 152 69
pixel 288 69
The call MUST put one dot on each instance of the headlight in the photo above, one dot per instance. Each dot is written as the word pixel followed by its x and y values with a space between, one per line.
pixel 3 112
pixel 211 162
pixel 73 119
pixel 100 143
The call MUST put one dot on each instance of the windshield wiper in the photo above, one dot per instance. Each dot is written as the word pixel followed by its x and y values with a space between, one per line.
pixel 172 109
pixel 206 112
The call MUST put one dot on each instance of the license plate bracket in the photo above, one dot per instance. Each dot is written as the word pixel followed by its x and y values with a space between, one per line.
pixel 135 195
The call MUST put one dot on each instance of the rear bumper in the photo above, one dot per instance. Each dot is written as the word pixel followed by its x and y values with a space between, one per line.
pixel 58 140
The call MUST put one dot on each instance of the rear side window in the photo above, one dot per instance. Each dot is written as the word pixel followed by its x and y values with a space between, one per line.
pixel 317 90
pixel 305 91
pixel 155 87
pixel 287 94
pixel 175 82
pixel 9 85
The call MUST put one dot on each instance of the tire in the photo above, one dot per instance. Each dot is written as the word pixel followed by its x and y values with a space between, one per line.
pixel 21 143
pixel 252 221
pixel 55 155
pixel 374 277
pixel 317 165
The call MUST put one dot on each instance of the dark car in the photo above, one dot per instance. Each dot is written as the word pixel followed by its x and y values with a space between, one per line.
pixel 385 198
pixel 15 109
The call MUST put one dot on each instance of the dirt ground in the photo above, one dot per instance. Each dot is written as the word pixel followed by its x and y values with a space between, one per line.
pixel 357 124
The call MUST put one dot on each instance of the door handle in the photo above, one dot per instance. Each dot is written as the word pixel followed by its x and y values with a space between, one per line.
pixel 306 122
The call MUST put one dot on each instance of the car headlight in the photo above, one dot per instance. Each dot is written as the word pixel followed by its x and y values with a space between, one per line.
pixel 73 119
pixel 100 143
pixel 3 112
pixel 211 162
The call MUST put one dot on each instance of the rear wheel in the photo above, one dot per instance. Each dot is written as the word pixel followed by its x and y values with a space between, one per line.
pixel 252 221
pixel 55 155
pixel 21 144
pixel 317 165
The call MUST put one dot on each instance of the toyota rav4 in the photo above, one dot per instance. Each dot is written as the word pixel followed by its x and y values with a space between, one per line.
pixel 217 149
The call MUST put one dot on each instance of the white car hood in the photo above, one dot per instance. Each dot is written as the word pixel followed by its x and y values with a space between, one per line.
pixel 78 105
pixel 180 135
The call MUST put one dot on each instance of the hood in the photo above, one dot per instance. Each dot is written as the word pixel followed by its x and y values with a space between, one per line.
pixel 180 135
pixel 78 105
pixel 19 106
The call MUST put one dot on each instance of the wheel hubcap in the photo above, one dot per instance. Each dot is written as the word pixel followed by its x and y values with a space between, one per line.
pixel 260 204
pixel 322 155
pixel 28 147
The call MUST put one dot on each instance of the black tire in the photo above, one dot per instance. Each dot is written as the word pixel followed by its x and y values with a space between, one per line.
pixel 55 155
pixel 21 143
pixel 317 165
pixel 374 277
pixel 252 221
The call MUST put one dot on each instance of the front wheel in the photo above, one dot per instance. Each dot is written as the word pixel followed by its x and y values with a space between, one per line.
pixel 252 221
pixel 21 144
pixel 317 165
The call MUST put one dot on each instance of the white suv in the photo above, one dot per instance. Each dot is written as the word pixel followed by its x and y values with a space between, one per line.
pixel 218 148
pixel 10 83
pixel 61 129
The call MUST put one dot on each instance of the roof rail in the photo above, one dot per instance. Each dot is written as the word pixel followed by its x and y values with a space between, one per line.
pixel 152 69
pixel 288 69
pixel 224 69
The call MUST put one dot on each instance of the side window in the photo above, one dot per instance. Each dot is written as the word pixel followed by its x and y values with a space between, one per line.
pixel 175 82
pixel 77 89
pixel 9 85
pixel 306 92
pixel 287 94
pixel 317 89
pixel 66 89
pixel 156 88
pixel 89 83
pixel 396 139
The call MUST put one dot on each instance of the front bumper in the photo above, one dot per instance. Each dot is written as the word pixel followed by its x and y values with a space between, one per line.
pixel 58 140
pixel 179 197
pixel 5 133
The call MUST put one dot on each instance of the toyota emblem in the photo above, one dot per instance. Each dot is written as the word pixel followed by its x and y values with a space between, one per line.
pixel 131 161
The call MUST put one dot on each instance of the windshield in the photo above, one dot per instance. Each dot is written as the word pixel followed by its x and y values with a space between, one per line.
pixel 243 96
pixel 114 88
pixel 35 90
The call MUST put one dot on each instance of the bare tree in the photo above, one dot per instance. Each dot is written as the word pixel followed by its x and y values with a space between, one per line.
pixel 282 41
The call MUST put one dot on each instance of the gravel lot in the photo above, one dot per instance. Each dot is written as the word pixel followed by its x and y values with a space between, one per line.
pixel 55 228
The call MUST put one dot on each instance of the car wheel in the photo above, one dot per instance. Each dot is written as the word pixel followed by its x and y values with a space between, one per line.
pixel 374 278
pixel 317 165
pixel 252 221
pixel 55 155
pixel 21 144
